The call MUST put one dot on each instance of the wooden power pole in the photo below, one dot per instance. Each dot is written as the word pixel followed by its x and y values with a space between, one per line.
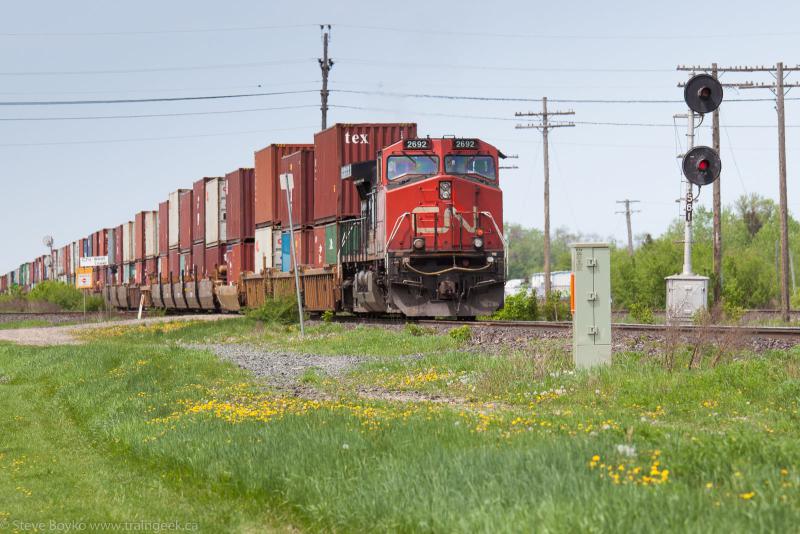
pixel 545 125
pixel 325 64
pixel 779 88
pixel 627 213
pixel 716 232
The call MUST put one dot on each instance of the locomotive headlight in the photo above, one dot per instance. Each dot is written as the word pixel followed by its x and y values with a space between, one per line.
pixel 419 243
pixel 445 190
pixel 478 242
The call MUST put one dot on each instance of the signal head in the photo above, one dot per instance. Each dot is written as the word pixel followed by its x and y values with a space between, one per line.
pixel 703 93
pixel 701 165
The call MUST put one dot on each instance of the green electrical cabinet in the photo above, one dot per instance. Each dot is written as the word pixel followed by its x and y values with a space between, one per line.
pixel 591 321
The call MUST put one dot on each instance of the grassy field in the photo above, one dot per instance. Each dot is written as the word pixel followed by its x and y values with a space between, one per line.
pixel 133 428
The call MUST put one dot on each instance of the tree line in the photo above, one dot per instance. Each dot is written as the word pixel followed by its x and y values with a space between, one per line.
pixel 750 245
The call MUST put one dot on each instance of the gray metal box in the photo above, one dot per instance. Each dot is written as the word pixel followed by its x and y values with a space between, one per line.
pixel 591 321
pixel 687 294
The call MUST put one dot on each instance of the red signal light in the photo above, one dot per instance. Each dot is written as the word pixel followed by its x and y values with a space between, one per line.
pixel 703 165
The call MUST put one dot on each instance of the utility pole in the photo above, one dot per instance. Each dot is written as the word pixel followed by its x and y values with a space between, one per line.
pixel 545 125
pixel 779 88
pixel 627 213
pixel 716 232
pixel 325 64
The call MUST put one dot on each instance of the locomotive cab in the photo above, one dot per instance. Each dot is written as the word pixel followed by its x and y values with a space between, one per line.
pixel 434 209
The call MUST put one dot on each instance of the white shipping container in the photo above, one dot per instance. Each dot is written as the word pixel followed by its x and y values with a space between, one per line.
pixel 216 211
pixel 111 246
pixel 174 219
pixel 263 249
pixel 277 254
pixel 150 234
pixel 60 261
pixel 128 251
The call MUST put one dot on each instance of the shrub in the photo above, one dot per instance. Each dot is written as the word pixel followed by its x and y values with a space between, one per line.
pixel 417 330
pixel 519 307
pixel 641 313
pixel 65 296
pixel 462 334
pixel 276 311
pixel 327 316
pixel 556 309
pixel 732 311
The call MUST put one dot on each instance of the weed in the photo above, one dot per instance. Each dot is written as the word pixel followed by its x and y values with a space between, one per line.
pixel 328 316
pixel 417 330
pixel 277 311
pixel 641 313
pixel 462 334
pixel 519 307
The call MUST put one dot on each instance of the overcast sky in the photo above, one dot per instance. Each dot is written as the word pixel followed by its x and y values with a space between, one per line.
pixel 68 178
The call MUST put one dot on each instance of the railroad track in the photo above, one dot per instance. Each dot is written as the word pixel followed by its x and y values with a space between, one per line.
pixel 773 332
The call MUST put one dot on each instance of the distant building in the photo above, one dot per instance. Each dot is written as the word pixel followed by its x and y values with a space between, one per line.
pixel 516 285
pixel 559 281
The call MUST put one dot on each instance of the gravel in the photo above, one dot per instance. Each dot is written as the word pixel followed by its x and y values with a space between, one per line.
pixel 279 368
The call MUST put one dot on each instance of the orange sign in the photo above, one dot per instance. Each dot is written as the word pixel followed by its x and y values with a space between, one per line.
pixel 83 278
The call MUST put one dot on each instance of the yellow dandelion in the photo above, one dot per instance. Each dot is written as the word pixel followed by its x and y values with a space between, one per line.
pixel 747 496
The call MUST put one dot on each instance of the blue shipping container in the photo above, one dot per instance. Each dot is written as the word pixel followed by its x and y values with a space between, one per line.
pixel 286 251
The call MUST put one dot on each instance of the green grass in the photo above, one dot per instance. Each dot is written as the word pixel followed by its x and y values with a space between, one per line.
pixel 26 323
pixel 138 428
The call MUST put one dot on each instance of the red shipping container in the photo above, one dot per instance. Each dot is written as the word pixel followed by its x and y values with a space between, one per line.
pixel 214 258
pixel 317 254
pixel 239 259
pixel 266 188
pixel 241 203
pixel 163 267
pixel 138 276
pixel 186 220
pixel 301 166
pixel 163 227
pixel 151 270
pixel 199 210
pixel 175 264
pixel 303 243
pixel 96 244
pixel 340 145
pixel 138 236
pixel 199 260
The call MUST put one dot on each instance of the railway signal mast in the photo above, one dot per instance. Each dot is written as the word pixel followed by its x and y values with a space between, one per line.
pixel 687 293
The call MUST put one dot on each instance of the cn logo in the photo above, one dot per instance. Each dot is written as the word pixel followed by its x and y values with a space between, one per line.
pixel 444 226
pixel 356 139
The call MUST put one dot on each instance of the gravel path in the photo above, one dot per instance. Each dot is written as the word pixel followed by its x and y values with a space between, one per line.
pixel 279 368
pixel 63 335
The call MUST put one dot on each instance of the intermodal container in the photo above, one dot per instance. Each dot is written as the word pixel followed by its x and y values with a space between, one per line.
pixel 103 242
pixel 276 249
pixel 199 210
pixel 163 268
pixel 138 235
pixel 240 205
pixel 186 262
pixel 300 165
pixel 96 244
pixel 216 211
pixel 118 255
pixel 199 260
pixel 263 249
pixel 303 240
pixel 151 270
pixel 175 264
pixel 214 258
pixel 111 245
pixel 175 218
pixel 266 189
pixel 342 144
pixel 138 274
pixel 163 228
pixel 186 220
pixel 151 234
pixel 239 259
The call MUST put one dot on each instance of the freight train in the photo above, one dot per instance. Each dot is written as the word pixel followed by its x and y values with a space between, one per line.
pixel 382 221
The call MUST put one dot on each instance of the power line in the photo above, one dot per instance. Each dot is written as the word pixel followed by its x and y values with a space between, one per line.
pixel 156 32
pixel 151 115
pixel 140 100
pixel 249 87
pixel 472 66
pixel 527 35
pixel 157 69
pixel 166 138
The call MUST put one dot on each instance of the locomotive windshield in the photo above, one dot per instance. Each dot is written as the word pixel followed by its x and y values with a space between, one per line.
pixel 400 166
pixel 480 165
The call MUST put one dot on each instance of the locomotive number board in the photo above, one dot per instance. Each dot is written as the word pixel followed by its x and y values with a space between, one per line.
pixel 417 144
pixel 465 144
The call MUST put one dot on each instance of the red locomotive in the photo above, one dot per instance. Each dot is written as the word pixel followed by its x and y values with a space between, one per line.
pixel 431 230
pixel 382 222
